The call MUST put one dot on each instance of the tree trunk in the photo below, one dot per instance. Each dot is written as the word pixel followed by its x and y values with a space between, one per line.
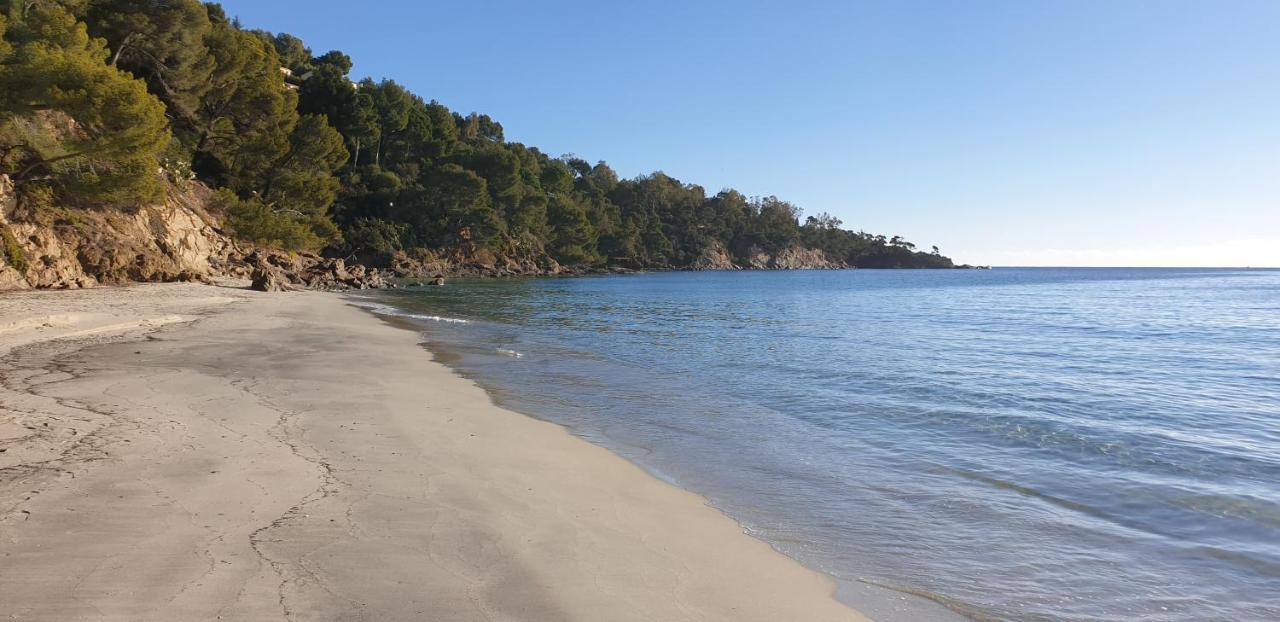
pixel 115 58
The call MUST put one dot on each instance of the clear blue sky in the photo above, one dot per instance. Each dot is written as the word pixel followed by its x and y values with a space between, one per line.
pixel 1024 132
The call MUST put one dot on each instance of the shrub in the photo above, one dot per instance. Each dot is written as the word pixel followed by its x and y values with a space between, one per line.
pixel 254 221
pixel 13 252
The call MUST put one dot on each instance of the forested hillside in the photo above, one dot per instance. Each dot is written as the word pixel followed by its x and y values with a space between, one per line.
pixel 105 103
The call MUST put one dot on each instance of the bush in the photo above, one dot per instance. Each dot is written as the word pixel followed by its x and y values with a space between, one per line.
pixel 378 238
pixel 176 164
pixel 13 252
pixel 254 221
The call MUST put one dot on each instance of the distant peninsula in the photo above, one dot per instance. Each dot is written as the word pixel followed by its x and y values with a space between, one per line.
pixel 159 141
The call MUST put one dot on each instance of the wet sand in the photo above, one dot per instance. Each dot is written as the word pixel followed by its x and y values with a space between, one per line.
pixel 190 452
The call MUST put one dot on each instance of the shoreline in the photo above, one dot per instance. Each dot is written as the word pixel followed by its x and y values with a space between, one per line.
pixel 870 598
pixel 210 451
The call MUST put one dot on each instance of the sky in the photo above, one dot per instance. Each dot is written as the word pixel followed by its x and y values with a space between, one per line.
pixel 1018 132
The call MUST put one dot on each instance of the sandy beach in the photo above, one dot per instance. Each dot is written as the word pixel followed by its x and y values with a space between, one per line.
pixel 191 452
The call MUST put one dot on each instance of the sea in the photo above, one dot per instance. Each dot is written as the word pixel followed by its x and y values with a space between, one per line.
pixel 1005 444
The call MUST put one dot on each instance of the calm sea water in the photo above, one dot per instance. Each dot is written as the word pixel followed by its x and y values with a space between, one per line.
pixel 1021 444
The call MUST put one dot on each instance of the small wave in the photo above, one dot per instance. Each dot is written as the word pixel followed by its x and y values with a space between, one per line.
pixel 437 318
pixel 511 353
pixel 384 309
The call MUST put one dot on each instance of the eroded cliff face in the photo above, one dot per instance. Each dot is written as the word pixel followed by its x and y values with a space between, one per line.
pixel 717 257
pixel 64 248
pixel 177 240
pixel 794 258
pixel 180 240
pixel 714 257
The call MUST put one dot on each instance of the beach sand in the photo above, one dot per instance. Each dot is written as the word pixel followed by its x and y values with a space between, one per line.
pixel 191 452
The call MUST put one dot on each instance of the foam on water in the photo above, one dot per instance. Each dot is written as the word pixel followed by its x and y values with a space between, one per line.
pixel 383 309
pixel 1020 444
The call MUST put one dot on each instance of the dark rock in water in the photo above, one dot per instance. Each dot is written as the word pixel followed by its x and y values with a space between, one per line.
pixel 439 280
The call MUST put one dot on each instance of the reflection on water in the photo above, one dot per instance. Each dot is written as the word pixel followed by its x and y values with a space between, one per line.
pixel 1022 444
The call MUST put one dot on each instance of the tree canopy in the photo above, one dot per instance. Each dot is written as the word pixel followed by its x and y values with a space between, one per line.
pixel 98 96
pixel 54 75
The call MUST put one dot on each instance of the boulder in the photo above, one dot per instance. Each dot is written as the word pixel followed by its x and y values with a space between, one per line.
pixel 266 279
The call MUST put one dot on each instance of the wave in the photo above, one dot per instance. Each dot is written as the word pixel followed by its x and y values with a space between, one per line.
pixel 382 309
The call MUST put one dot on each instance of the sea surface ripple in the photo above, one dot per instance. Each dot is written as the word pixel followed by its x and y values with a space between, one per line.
pixel 1018 444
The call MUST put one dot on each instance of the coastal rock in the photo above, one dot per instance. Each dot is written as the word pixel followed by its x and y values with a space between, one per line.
pixel 792 258
pixel 714 257
pixel 178 239
pixel 269 280
pixel 55 247
pixel 800 258
pixel 313 271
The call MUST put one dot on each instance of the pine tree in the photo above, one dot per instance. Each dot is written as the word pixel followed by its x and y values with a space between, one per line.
pixel 53 70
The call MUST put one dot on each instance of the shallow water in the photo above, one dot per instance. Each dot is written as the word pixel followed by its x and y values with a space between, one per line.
pixel 1022 444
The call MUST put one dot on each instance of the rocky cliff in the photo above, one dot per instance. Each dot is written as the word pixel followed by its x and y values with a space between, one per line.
pixel 177 240
pixel 714 257
pixel 65 248
pixel 717 257
pixel 793 258
pixel 181 240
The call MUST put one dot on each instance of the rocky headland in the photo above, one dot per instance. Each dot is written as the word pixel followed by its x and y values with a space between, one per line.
pixel 182 239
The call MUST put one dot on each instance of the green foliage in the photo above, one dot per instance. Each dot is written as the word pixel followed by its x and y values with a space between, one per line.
pixel 287 203
pixel 371 237
pixel 330 93
pixel 294 54
pixel 572 236
pixel 175 161
pixel 5 47
pixel 255 221
pixel 301 180
pixel 245 119
pixel 37 196
pixel 56 73
pixel 66 217
pixel 161 42
pixel 301 154
pixel 13 252
pixel 335 59
pixel 391 105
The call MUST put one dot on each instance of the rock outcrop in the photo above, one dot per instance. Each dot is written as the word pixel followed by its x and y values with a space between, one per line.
pixel 714 257
pixel 279 271
pixel 794 258
pixel 69 248
pixel 180 240
pixel 269 280
pixel 177 240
